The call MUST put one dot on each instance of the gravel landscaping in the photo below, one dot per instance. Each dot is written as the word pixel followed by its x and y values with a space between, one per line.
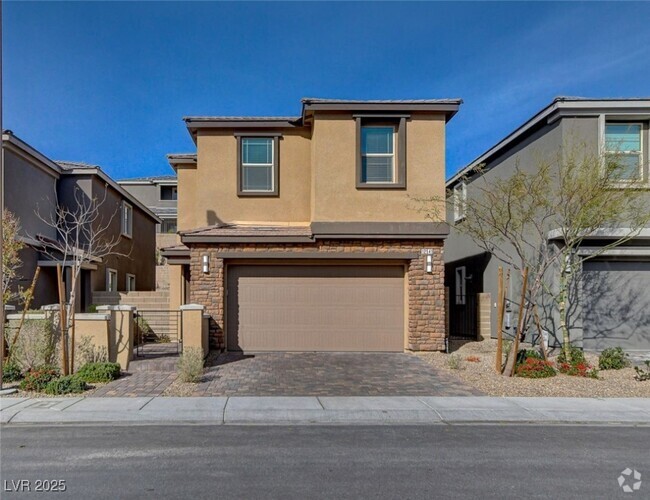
pixel 480 374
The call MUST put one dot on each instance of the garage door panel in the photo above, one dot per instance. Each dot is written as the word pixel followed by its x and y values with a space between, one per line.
pixel 616 305
pixel 315 308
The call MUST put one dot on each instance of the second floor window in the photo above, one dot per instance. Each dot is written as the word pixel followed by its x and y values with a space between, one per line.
pixel 168 226
pixel 624 145
pixel 460 201
pixel 168 193
pixel 127 219
pixel 377 155
pixel 257 165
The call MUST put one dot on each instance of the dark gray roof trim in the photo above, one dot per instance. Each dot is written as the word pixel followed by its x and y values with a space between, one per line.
pixel 153 179
pixel 380 230
pixel 558 108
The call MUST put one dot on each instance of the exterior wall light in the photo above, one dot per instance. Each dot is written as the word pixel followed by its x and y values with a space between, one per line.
pixel 429 262
pixel 206 264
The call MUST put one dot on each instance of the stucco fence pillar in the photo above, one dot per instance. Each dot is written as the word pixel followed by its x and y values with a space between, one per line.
pixel 121 333
pixel 195 327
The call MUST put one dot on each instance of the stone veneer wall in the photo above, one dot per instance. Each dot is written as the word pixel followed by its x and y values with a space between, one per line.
pixel 426 292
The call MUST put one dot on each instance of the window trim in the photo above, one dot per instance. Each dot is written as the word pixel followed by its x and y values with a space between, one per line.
pixel 128 277
pixel 640 152
pixel 275 169
pixel 399 162
pixel 110 270
pixel 126 232
pixel 460 201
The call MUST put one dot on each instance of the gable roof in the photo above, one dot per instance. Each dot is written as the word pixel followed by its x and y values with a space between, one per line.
pixel 560 106
pixel 152 179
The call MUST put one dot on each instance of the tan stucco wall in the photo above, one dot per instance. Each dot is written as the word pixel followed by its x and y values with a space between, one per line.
pixel 317 177
pixel 208 193
pixel 335 196
pixel 176 287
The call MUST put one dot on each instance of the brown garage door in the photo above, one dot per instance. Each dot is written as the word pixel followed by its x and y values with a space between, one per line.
pixel 315 308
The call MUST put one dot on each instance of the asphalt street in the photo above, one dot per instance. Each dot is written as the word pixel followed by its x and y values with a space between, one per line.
pixel 305 462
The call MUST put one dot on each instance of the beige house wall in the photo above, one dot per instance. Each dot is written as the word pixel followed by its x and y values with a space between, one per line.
pixel 208 192
pixel 335 195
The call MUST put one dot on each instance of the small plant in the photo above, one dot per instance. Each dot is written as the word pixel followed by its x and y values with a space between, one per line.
pixel 642 374
pixel 98 372
pixel 69 384
pixel 473 359
pixel 576 355
pixel 534 367
pixel 613 358
pixel 454 362
pixel 35 345
pixel 163 338
pixel 92 308
pixel 190 364
pixel 11 372
pixel 37 379
pixel 579 369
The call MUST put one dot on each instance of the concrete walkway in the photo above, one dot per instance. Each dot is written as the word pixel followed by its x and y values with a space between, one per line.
pixel 324 410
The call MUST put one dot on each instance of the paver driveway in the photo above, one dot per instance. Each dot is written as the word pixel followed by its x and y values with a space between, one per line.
pixel 303 374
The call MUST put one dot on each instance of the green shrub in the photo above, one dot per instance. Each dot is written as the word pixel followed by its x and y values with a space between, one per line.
pixel 613 358
pixel 87 352
pixel 576 355
pixel 454 362
pixel 37 379
pixel 525 354
pixel 69 384
pixel 641 374
pixel 533 367
pixel 98 372
pixel 92 308
pixel 11 372
pixel 190 364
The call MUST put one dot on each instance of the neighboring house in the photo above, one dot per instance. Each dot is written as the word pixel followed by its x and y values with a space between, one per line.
pixel 32 185
pixel 613 305
pixel 300 233
pixel 159 194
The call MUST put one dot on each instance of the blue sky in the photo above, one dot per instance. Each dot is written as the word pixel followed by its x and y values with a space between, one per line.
pixel 108 83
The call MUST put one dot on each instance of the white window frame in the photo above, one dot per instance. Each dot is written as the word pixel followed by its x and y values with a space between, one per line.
pixel 460 201
pixel 127 227
pixel 258 165
pixel 460 277
pixel 605 121
pixel 130 277
pixel 380 155
pixel 109 272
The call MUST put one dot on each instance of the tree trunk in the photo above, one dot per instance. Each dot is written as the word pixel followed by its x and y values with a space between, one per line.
pixel 562 308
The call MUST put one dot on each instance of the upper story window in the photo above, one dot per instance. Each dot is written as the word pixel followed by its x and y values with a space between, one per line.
pixel 258 166
pixel 168 193
pixel 377 155
pixel 169 226
pixel 460 201
pixel 381 151
pixel 127 219
pixel 624 144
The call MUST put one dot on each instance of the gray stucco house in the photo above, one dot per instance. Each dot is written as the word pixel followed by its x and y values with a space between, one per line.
pixel 613 305
pixel 32 185
pixel 160 195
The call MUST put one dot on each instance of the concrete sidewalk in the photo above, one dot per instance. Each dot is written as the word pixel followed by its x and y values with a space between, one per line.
pixel 325 410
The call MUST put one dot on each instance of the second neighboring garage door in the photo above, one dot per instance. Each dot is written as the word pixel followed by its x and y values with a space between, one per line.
pixel 616 305
pixel 315 308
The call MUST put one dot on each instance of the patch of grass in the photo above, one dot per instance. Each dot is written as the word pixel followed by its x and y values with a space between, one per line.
pixel 98 372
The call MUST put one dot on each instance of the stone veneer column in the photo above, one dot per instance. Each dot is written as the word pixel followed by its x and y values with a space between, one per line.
pixel 207 289
pixel 426 299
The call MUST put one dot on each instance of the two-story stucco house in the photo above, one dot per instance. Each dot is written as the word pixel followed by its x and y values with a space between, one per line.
pixel 300 233
pixel 612 306
pixel 33 186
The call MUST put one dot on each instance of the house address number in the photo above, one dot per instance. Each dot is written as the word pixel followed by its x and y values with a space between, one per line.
pixel 426 251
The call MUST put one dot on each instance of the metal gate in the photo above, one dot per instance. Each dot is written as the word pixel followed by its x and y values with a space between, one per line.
pixel 158 332
pixel 463 317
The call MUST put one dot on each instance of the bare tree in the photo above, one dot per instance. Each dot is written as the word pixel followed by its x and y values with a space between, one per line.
pixel 538 218
pixel 84 236
pixel 11 246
